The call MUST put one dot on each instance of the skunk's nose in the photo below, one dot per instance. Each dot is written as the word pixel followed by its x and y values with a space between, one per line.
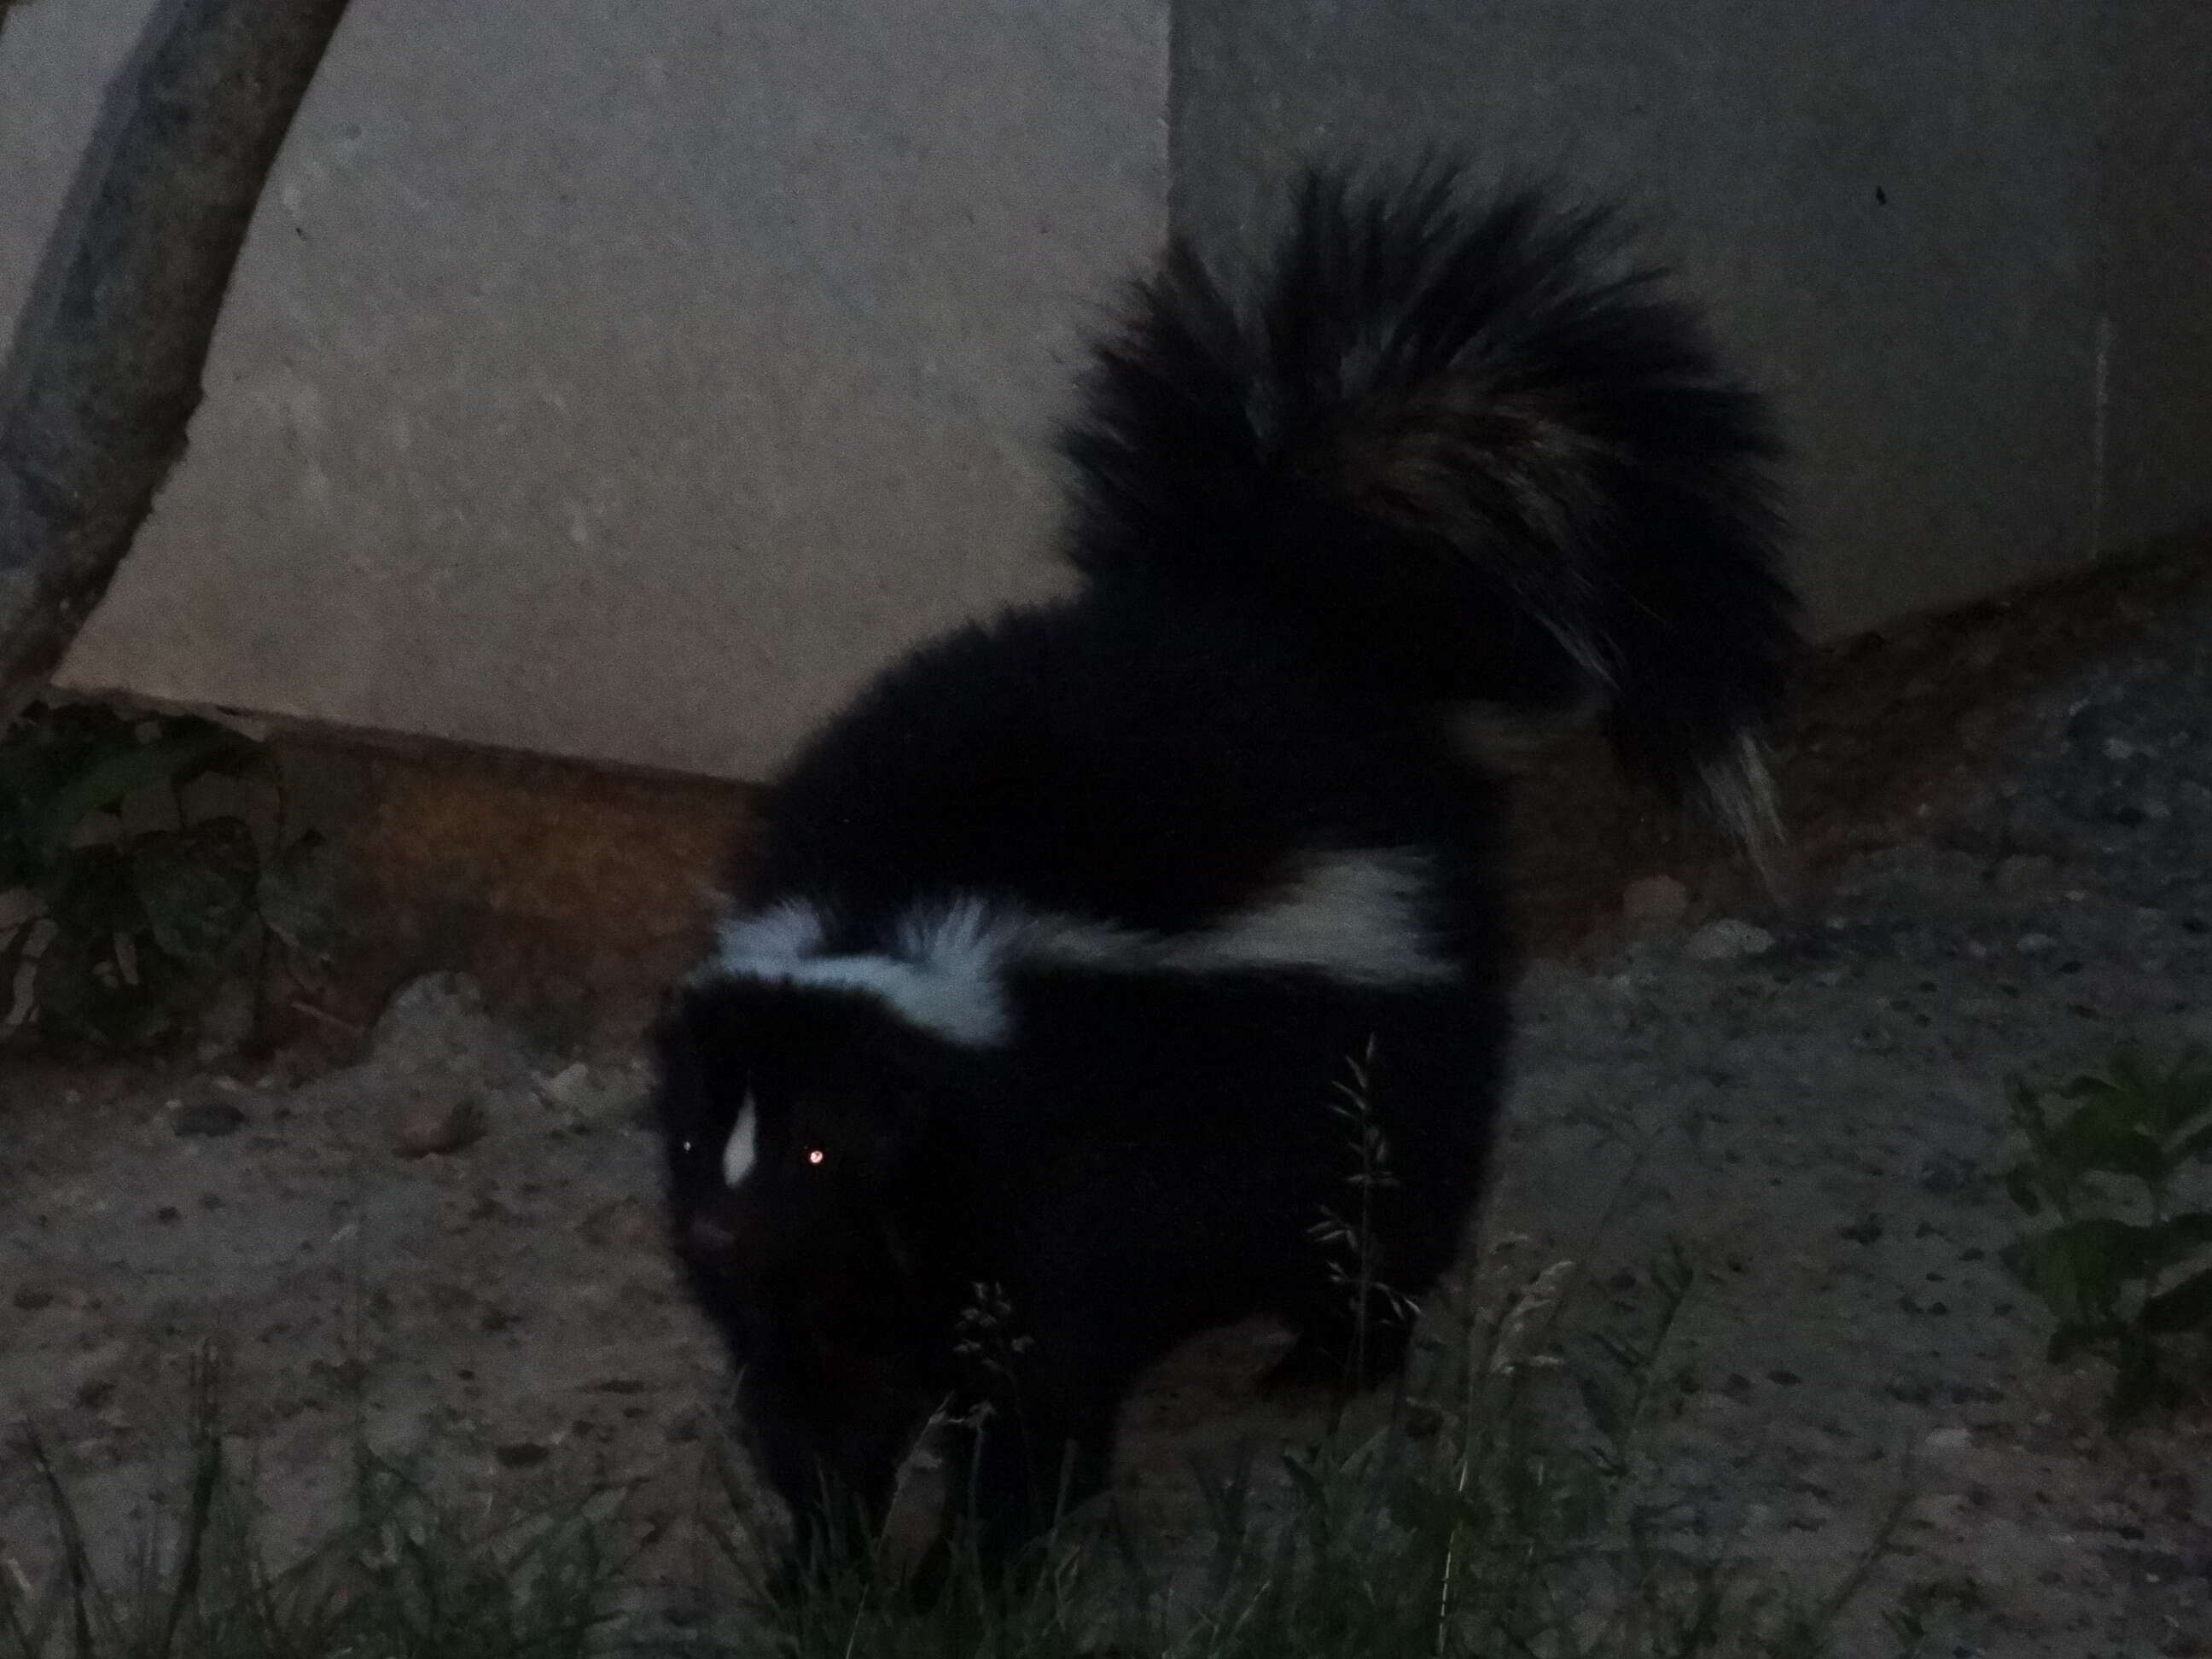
pixel 710 1240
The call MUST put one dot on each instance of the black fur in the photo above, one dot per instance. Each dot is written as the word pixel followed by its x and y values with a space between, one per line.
pixel 1438 459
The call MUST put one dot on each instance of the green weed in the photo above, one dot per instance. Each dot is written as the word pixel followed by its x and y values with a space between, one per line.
pixel 405 1575
pixel 1498 1511
pixel 2126 1265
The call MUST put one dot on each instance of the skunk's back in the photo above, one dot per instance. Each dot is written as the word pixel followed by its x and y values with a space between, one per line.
pixel 1157 760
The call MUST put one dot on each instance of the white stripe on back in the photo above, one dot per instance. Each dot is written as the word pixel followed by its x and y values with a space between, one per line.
pixel 1356 918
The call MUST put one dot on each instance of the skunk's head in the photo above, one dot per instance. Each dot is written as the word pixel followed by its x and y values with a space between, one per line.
pixel 799 1128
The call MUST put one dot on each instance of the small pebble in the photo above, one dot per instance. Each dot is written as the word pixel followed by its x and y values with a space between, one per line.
pixel 1728 939
pixel 2023 872
pixel 212 1118
pixel 439 1126
pixel 568 1087
pixel 1654 904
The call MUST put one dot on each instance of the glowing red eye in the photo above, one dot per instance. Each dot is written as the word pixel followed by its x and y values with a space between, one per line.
pixel 813 1154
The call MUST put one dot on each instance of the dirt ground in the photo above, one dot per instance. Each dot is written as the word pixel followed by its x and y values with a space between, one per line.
pixel 2004 820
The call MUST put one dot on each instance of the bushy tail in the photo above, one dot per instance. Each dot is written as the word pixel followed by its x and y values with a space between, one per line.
pixel 1467 464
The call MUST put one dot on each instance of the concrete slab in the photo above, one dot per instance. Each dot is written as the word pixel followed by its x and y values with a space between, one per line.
pixel 625 382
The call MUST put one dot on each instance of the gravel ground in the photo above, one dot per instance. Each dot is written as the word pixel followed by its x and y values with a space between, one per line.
pixel 1810 1104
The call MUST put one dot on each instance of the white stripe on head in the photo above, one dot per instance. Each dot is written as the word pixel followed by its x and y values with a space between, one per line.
pixel 782 932
pixel 941 975
pixel 737 1153
pixel 969 1010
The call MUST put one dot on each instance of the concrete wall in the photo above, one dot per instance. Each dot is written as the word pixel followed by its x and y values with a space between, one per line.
pixel 2157 260
pixel 623 379
pixel 1966 244
pixel 626 380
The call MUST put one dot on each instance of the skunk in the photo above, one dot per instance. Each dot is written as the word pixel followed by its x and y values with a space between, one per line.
pixel 1098 960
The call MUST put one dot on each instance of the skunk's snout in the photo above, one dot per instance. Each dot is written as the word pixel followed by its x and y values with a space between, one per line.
pixel 710 1239
pixel 725 1239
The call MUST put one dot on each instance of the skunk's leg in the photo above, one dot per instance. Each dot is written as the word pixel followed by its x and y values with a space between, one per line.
pixel 1336 1352
pixel 1041 1444
pixel 835 1480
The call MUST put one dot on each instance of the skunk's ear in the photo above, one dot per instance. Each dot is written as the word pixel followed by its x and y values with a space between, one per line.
pixel 718 1015
pixel 668 1024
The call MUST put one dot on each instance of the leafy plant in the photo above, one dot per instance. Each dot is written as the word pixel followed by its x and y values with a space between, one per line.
pixel 2127 1265
pixel 131 908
